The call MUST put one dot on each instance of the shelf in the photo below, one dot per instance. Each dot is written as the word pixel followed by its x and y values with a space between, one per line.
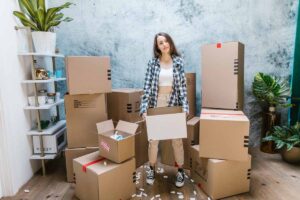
pixel 45 157
pixel 50 130
pixel 44 107
pixel 40 54
pixel 51 80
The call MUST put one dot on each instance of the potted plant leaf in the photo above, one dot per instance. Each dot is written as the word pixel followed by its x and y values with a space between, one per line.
pixel 287 139
pixel 272 92
pixel 42 22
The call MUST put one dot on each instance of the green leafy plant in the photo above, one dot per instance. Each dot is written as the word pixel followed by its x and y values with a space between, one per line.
pixel 35 15
pixel 270 89
pixel 285 136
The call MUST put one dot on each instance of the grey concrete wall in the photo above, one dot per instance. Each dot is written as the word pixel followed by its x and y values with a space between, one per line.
pixel 124 29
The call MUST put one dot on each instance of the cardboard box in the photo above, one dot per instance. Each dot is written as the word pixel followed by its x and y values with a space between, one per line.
pixel 52 143
pixel 82 114
pixel 88 74
pixel 124 104
pixel 116 150
pixel 71 154
pixel 100 179
pixel 167 153
pixel 141 144
pixel 162 126
pixel 224 134
pixel 191 93
pixel 223 75
pixel 220 178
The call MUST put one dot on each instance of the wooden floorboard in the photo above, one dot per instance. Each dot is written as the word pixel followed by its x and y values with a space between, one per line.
pixel 271 179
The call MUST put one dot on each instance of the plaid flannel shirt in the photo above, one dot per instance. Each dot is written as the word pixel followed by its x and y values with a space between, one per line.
pixel 179 92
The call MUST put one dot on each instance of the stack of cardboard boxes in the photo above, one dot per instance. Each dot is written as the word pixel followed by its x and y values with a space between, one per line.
pixel 88 79
pixel 88 130
pixel 221 164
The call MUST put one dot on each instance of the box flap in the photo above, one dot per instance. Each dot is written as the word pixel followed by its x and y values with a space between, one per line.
pixel 105 126
pixel 193 121
pixel 127 90
pixel 164 110
pixel 127 127
pixel 216 114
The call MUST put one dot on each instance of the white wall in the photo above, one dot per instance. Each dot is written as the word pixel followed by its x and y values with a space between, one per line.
pixel 15 146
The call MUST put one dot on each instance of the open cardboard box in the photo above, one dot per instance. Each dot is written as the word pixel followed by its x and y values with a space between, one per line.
pixel 164 123
pixel 116 150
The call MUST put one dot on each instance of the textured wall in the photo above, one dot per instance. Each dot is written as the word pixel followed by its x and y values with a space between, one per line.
pixel 125 29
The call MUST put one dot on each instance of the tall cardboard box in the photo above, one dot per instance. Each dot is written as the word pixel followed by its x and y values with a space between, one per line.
pixel 100 179
pixel 224 134
pixel 141 144
pixel 82 114
pixel 165 123
pixel 71 154
pixel 88 74
pixel 116 150
pixel 167 153
pixel 223 75
pixel 124 104
pixel 191 93
pixel 220 178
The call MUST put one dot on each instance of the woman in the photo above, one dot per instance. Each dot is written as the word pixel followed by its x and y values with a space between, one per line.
pixel 165 85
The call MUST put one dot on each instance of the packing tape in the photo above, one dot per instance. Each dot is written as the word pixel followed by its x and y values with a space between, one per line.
pixel 91 163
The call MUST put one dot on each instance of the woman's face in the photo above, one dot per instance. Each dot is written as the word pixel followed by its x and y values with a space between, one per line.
pixel 163 45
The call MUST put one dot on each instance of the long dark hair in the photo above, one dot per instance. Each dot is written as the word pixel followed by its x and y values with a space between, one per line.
pixel 157 52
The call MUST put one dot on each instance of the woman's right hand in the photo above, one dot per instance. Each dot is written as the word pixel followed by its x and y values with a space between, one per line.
pixel 144 116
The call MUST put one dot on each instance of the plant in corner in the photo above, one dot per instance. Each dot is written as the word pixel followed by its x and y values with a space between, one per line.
pixel 42 22
pixel 272 92
pixel 287 139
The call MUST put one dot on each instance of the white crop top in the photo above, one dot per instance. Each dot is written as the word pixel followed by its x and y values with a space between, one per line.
pixel 166 77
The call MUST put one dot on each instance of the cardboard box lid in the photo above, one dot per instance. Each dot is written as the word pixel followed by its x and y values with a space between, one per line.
pixel 95 163
pixel 123 126
pixel 226 115
pixel 193 121
pixel 164 110
pixel 127 90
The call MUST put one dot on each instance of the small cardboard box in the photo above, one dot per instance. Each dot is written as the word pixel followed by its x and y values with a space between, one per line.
pixel 141 143
pixel 116 150
pixel 191 93
pixel 220 178
pixel 71 154
pixel 167 153
pixel 100 179
pixel 88 74
pixel 52 143
pixel 124 104
pixel 82 113
pixel 223 75
pixel 224 134
pixel 164 126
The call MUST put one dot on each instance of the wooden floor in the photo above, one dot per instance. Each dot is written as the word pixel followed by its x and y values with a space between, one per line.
pixel 272 179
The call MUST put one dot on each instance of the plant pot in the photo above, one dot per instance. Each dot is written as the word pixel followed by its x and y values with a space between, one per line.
pixel 270 118
pixel 44 42
pixel 291 156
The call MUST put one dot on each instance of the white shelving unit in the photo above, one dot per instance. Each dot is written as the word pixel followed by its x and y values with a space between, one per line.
pixel 54 128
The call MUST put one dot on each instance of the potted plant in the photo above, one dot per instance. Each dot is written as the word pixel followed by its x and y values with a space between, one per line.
pixel 272 92
pixel 287 139
pixel 42 22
